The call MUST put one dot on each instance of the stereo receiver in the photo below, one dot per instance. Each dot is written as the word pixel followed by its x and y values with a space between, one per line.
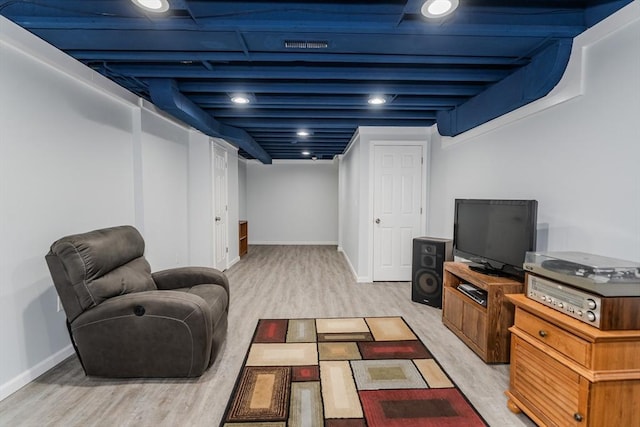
pixel 602 292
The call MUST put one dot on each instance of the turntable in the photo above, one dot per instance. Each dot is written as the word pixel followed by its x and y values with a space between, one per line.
pixel 604 276
pixel 600 291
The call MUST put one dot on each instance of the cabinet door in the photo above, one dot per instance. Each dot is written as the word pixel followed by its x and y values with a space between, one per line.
pixel 475 325
pixel 452 308
pixel 556 394
pixel 615 403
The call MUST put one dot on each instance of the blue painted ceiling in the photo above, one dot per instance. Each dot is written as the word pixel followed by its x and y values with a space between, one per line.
pixel 313 64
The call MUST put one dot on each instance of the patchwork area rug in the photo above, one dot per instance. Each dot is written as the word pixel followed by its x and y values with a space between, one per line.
pixel 346 372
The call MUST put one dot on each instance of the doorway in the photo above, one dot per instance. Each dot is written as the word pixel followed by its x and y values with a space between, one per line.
pixel 398 188
pixel 220 209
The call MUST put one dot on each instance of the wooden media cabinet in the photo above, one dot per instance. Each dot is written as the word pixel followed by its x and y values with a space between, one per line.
pixel 484 329
pixel 567 373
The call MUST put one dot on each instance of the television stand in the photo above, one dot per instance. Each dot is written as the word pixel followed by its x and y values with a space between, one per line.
pixel 484 329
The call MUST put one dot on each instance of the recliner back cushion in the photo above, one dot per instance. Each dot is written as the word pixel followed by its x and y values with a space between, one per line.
pixel 104 263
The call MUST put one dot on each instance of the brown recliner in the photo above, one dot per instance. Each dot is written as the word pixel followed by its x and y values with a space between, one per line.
pixel 125 321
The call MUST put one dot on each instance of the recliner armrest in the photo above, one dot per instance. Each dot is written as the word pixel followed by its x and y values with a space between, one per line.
pixel 184 277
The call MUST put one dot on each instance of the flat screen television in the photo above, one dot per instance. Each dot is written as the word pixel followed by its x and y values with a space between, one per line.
pixel 495 234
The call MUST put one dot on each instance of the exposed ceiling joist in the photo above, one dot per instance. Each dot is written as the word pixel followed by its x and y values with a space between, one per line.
pixel 314 64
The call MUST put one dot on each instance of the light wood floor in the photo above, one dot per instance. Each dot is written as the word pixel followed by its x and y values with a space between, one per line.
pixel 269 282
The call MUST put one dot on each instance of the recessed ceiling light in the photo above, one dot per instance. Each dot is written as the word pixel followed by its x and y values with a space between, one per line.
pixel 303 133
pixel 377 100
pixel 240 99
pixel 305 153
pixel 157 6
pixel 438 8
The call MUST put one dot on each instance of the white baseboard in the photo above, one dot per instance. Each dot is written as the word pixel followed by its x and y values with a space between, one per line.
pixel 278 242
pixel 233 262
pixel 359 279
pixel 31 374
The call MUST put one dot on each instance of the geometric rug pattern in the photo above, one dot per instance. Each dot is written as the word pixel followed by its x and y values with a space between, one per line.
pixel 344 372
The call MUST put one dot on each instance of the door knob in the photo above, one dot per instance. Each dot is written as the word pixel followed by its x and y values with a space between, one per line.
pixel 377 220
pixel 217 218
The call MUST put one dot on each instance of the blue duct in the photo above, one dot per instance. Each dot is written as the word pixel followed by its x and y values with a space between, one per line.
pixel 528 84
pixel 166 96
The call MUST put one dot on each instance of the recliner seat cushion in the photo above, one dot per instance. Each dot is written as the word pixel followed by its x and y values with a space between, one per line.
pixel 104 263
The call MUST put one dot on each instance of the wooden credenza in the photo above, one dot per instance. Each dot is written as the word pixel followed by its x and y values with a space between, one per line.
pixel 243 247
pixel 567 373
pixel 484 329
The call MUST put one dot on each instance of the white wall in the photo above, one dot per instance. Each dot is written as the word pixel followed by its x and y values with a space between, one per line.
pixel 349 203
pixel 165 154
pixel 200 200
pixel 56 136
pixel 78 152
pixel 292 202
pixel 579 159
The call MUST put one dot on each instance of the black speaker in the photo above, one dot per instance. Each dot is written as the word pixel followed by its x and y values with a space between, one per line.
pixel 429 255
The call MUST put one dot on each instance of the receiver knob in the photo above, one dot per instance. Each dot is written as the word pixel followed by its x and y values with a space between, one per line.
pixel 591 304
pixel 591 316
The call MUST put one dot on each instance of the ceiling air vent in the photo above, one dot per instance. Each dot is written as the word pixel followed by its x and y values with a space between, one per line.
pixel 302 44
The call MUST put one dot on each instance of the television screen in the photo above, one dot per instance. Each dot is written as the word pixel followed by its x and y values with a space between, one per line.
pixel 496 234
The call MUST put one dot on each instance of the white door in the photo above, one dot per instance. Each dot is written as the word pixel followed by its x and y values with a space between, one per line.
pixel 397 206
pixel 220 209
